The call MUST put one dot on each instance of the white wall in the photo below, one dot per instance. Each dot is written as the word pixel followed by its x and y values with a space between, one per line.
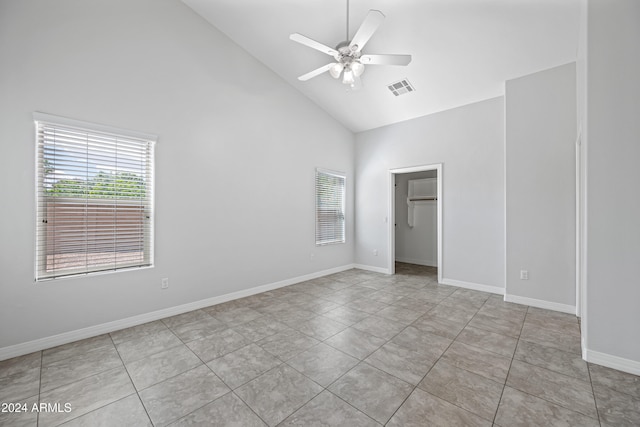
pixel 540 187
pixel 235 157
pixel 469 142
pixel 613 178
pixel 417 244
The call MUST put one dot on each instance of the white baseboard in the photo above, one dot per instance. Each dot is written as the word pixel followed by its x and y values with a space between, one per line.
pixel 474 286
pixel 555 306
pixel 92 331
pixel 372 268
pixel 613 362
pixel 428 263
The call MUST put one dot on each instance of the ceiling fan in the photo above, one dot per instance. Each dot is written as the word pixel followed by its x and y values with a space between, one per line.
pixel 349 59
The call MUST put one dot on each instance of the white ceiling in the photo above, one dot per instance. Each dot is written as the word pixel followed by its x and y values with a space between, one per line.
pixel 463 50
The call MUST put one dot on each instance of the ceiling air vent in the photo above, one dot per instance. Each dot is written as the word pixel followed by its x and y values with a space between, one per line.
pixel 401 87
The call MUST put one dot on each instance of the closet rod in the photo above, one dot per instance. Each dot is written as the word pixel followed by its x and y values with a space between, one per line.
pixel 416 199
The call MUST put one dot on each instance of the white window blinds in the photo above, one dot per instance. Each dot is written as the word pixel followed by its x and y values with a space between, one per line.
pixel 94 198
pixel 330 219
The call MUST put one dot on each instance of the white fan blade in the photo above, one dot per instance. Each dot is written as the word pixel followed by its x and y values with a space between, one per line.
pixel 369 26
pixel 316 72
pixel 385 59
pixel 313 44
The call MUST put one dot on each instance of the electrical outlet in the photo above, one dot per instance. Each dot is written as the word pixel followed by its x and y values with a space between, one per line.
pixel 524 275
pixel 312 256
pixel 165 283
pixel 375 252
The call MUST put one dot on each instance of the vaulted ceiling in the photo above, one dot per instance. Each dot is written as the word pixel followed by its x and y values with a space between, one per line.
pixel 463 50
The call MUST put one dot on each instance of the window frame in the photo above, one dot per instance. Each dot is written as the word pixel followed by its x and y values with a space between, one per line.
pixel 342 211
pixel 146 204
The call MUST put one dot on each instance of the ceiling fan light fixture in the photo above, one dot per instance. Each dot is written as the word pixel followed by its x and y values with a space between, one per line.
pixel 336 69
pixel 357 68
pixel 348 78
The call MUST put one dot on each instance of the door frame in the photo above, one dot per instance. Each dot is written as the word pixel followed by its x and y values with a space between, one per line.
pixel 391 231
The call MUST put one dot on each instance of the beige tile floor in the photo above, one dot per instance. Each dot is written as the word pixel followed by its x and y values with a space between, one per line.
pixel 352 349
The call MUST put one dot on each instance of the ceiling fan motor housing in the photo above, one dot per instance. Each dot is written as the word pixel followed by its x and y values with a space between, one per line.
pixel 348 58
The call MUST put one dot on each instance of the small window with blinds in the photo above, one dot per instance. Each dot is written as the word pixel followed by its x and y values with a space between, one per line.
pixel 94 198
pixel 330 218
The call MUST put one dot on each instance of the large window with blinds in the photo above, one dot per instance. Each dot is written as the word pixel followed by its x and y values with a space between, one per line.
pixel 94 198
pixel 330 217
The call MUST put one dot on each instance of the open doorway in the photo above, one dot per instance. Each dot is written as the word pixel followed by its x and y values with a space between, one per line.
pixel 415 213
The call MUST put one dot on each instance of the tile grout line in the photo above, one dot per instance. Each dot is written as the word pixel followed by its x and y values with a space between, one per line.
pixel 174 376
pixel 40 387
pixel 555 372
pixel 466 370
pixel 310 379
pixel 382 345
pixel 282 362
pixel 434 363
pixel 248 406
pixel 449 346
pixel 362 412
pixel 98 373
pixel 593 392
pixel 132 383
pixel 360 361
pixel 495 415
pixel 231 390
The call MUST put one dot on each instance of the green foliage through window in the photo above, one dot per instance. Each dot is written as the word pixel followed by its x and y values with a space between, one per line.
pixel 121 185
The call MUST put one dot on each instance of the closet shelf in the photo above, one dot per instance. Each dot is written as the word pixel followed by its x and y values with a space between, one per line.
pixel 419 191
